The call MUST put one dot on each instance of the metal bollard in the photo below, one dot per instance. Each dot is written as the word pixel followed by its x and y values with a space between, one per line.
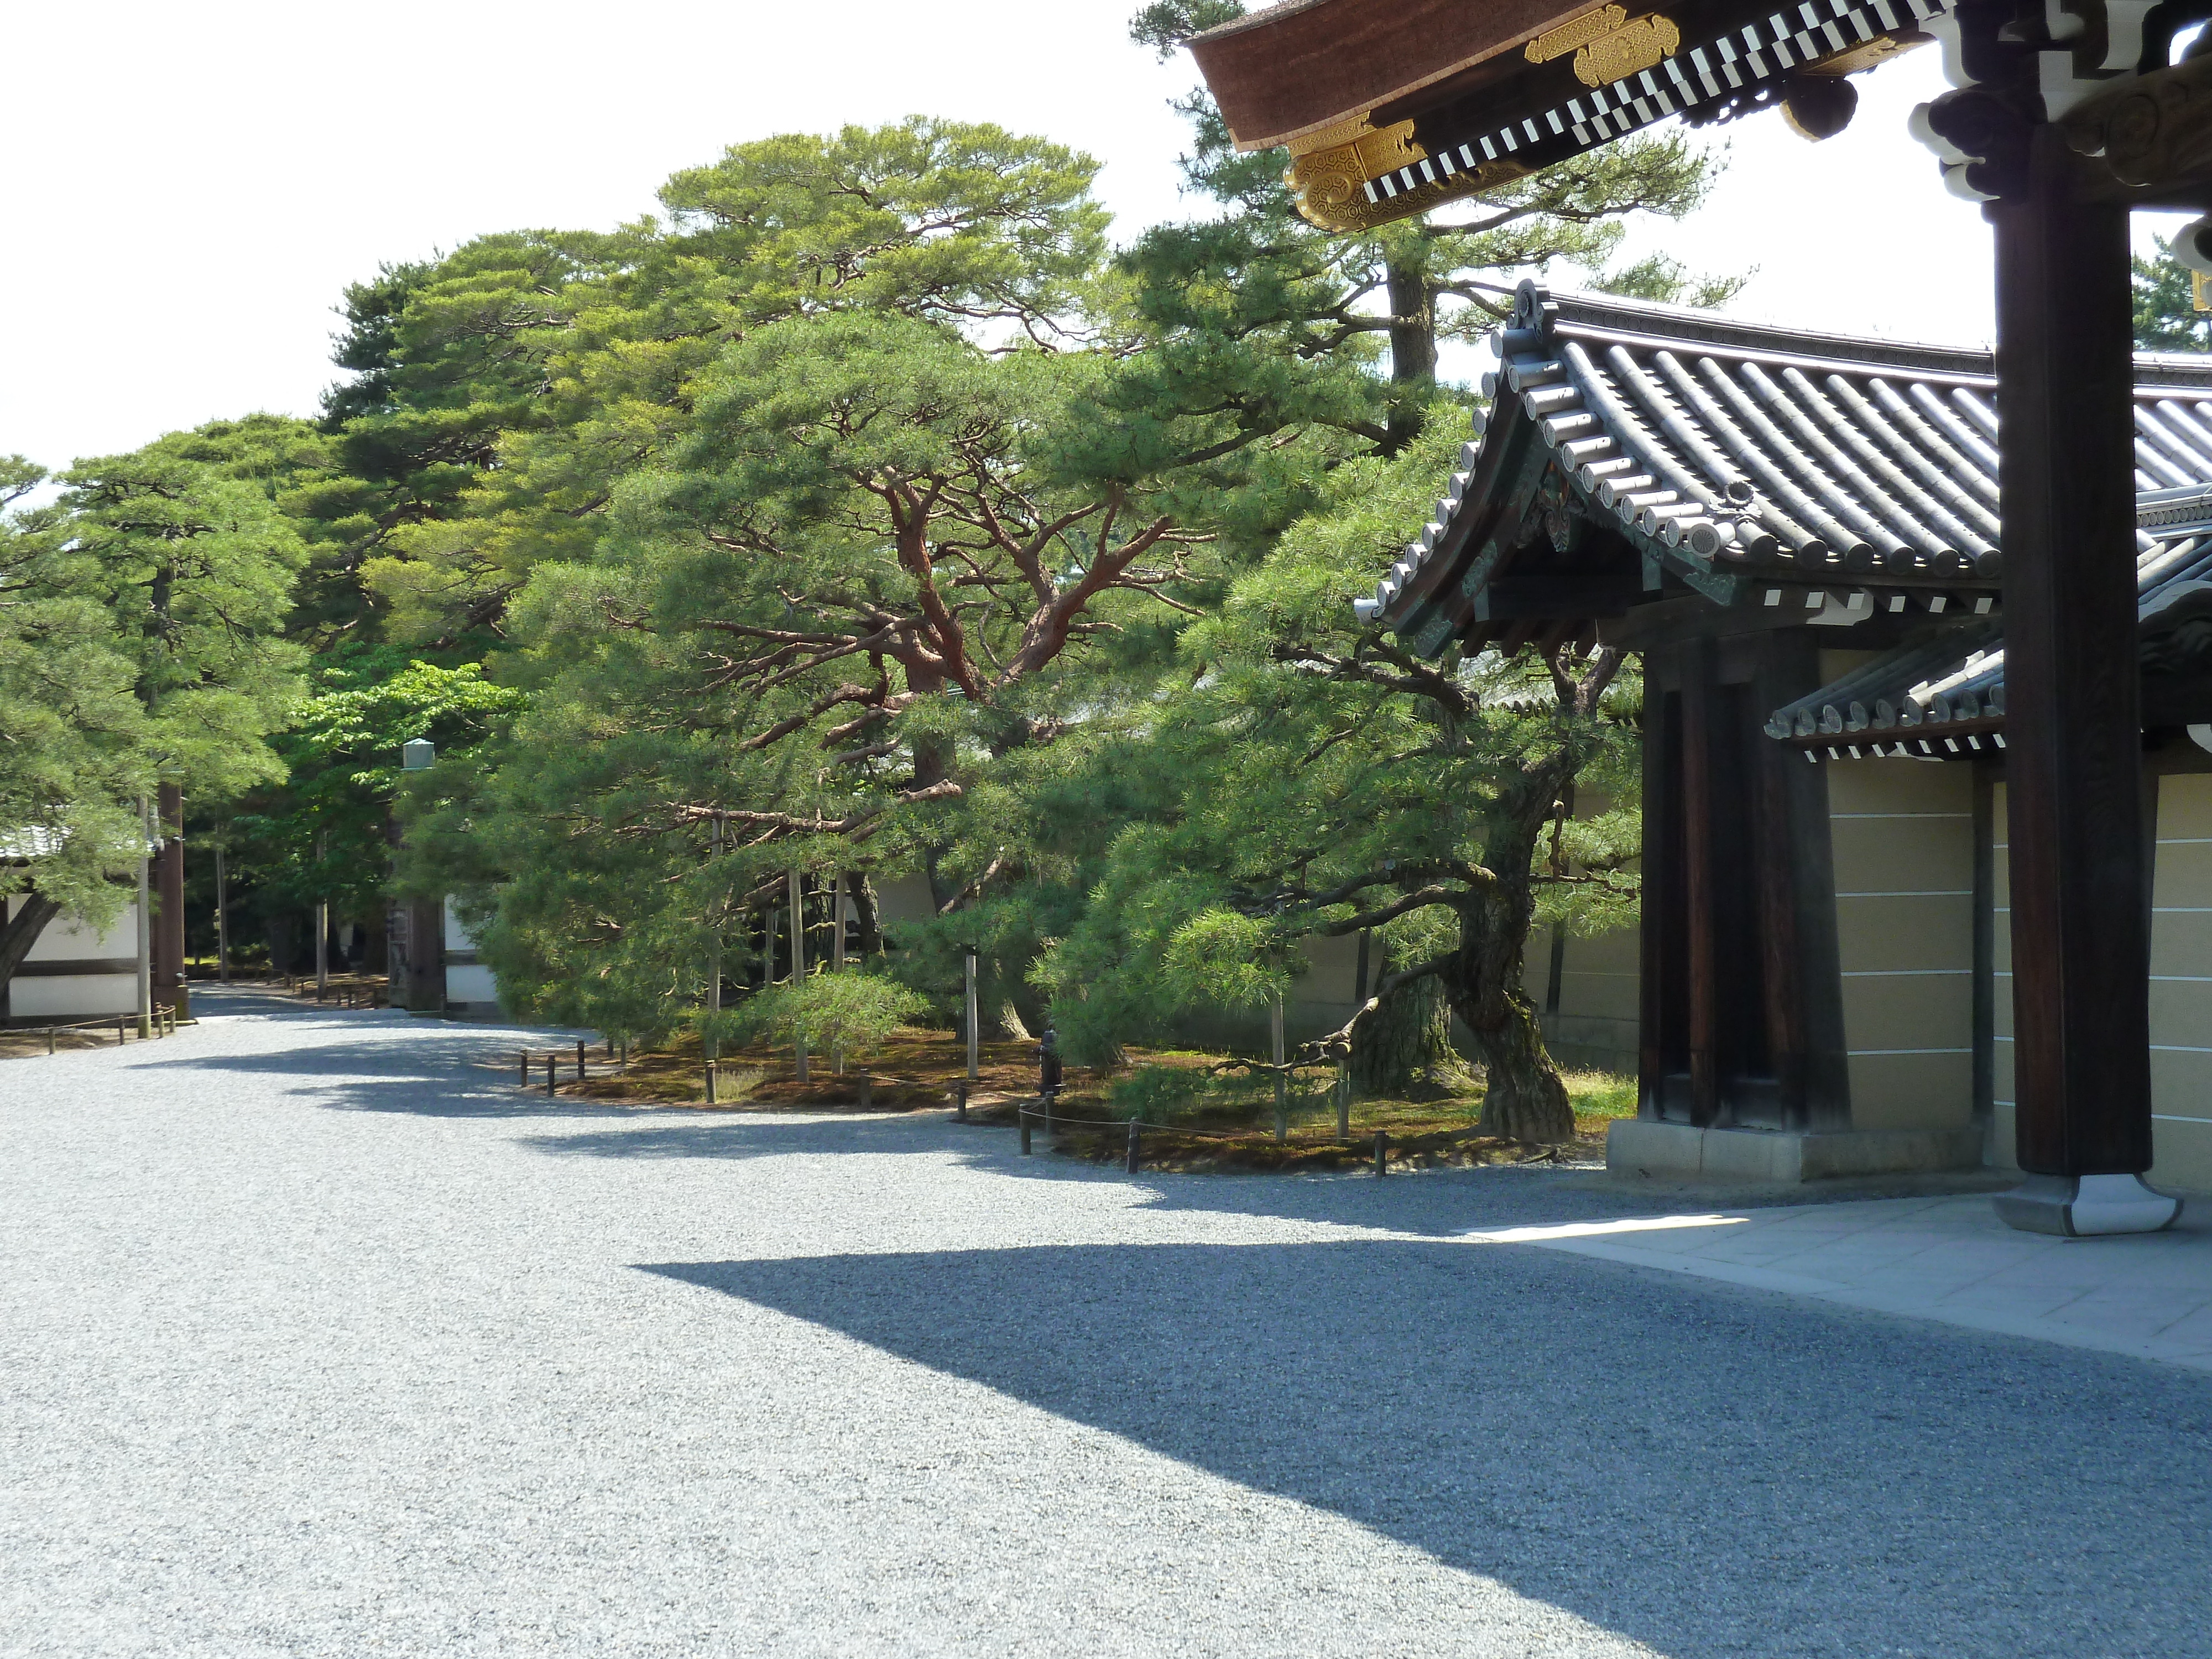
pixel 710 1082
pixel 1024 1116
pixel 1382 1152
pixel 552 1065
pixel 579 1059
pixel 1136 1130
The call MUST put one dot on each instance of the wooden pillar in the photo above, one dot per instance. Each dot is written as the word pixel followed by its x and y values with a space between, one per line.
pixel 2073 771
pixel 1698 808
pixel 426 956
pixel 1662 804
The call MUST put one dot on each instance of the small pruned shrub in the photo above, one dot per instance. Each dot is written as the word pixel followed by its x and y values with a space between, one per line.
pixel 850 1014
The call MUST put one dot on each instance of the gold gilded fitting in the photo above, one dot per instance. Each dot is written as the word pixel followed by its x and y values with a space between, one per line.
pixel 1329 171
pixel 1607 46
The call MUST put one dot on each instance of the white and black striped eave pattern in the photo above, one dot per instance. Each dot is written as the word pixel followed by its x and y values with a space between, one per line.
pixel 1758 51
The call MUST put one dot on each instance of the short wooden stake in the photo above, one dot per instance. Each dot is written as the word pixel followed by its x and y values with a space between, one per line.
pixel 525 1068
pixel 960 1099
pixel 552 1063
pixel 579 1059
pixel 49 1039
pixel 710 1082
pixel 1024 1114
pixel 1136 1130
pixel 1382 1152
pixel 118 1034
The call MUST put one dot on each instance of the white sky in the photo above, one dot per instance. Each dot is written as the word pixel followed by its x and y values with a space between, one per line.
pixel 191 187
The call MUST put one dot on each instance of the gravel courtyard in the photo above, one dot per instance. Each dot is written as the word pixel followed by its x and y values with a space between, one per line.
pixel 317 1337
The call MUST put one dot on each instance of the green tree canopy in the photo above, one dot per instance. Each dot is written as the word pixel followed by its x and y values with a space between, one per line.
pixel 2167 318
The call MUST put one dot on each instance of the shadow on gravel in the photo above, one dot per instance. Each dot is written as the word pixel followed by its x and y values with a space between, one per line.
pixel 1707 1471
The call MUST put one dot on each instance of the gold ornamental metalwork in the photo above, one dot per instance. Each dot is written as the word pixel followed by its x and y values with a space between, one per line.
pixel 1330 170
pixel 1607 45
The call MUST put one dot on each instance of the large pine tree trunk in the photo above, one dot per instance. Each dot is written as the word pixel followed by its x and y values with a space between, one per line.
pixel 1404 1047
pixel 1525 1099
pixel 1412 352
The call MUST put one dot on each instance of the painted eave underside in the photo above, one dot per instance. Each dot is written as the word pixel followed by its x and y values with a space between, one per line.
pixel 1628 454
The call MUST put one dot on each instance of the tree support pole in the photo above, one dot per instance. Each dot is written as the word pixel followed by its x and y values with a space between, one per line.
pixel 145 922
pixel 221 916
pixel 974 1036
pixel 2080 943
pixel 322 927
pixel 169 941
pixel 798 963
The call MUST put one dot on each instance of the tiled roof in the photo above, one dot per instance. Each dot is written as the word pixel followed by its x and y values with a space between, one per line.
pixel 33 841
pixel 1755 465
pixel 1945 695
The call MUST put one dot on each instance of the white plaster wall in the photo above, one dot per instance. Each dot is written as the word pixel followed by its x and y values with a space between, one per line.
pixel 470 983
pixel 68 997
pixel 68 939
pixel 903 898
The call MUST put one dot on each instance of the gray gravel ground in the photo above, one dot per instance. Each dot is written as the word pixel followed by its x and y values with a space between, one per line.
pixel 317 1338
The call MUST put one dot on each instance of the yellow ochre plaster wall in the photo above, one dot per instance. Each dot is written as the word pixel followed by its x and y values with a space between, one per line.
pixel 1902 833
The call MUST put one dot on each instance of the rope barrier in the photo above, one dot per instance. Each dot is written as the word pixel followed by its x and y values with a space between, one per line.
pixel 165 1024
pixel 1138 1128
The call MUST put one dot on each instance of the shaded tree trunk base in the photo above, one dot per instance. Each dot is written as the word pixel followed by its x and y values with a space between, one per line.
pixel 1526 1099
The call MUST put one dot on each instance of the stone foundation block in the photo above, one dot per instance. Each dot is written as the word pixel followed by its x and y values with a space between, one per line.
pixel 1786 1158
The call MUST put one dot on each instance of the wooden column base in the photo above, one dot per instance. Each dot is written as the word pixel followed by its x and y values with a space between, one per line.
pixel 2082 1206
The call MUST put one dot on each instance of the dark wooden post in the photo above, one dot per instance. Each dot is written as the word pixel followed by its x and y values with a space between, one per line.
pixel 1382 1152
pixel 1697 806
pixel 1022 1116
pixel 579 1059
pixel 1136 1130
pixel 2081 948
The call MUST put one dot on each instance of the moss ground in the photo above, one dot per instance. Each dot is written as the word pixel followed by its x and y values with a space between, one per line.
pixel 1196 1119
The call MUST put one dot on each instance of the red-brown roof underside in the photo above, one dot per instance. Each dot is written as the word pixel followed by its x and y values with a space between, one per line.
pixel 1297 68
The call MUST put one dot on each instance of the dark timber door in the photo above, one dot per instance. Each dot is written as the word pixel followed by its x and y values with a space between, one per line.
pixel 1741 1013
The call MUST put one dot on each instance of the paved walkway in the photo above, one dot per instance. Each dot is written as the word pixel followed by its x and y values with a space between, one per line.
pixel 317 1337
pixel 1949 1260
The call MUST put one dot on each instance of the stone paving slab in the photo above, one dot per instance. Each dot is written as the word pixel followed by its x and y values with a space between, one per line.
pixel 1950 1260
